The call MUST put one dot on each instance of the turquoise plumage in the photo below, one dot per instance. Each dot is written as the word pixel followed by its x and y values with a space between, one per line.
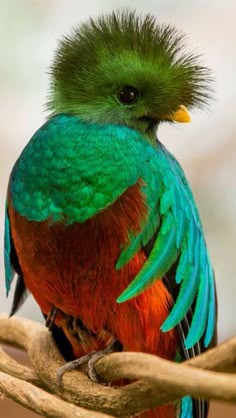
pixel 170 203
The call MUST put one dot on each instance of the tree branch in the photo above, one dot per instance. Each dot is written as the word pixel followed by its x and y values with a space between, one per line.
pixel 157 381
pixel 10 366
pixel 42 402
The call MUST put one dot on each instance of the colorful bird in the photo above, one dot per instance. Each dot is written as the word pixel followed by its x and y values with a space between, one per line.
pixel 101 225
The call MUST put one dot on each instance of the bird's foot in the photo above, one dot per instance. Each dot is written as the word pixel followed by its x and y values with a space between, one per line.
pixel 91 359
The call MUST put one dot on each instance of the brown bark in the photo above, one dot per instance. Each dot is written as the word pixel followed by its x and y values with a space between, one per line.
pixel 157 381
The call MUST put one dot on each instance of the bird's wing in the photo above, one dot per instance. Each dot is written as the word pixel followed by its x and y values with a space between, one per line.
pixel 12 267
pixel 176 233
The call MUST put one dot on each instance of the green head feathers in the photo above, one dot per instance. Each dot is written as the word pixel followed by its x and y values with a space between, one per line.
pixel 127 70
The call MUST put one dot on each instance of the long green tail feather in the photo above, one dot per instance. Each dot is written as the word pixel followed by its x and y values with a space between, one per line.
pixel 211 306
pixel 183 265
pixel 199 320
pixel 185 298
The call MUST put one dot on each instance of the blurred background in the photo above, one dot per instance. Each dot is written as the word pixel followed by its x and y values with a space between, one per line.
pixel 206 148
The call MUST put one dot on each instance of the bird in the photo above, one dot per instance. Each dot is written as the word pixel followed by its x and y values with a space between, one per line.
pixel 101 225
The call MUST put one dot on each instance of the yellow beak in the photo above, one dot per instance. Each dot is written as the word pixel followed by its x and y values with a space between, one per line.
pixel 181 115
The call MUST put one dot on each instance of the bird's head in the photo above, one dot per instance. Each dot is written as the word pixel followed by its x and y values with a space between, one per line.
pixel 127 70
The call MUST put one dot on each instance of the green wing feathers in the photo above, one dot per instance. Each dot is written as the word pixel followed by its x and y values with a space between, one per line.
pixel 179 240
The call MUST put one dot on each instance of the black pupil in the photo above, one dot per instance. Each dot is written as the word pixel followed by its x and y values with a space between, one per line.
pixel 128 95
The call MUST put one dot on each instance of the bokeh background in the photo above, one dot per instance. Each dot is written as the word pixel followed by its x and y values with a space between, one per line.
pixel 206 148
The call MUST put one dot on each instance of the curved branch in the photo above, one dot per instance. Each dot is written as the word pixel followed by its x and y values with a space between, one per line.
pixel 10 366
pixel 160 381
pixel 220 359
pixel 42 402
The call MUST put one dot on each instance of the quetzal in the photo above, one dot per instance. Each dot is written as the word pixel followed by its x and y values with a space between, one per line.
pixel 101 225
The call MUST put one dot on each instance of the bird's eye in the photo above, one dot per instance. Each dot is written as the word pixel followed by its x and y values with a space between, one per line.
pixel 128 95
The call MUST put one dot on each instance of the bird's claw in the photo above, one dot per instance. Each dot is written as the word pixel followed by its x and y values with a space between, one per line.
pixel 91 359
pixel 71 365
